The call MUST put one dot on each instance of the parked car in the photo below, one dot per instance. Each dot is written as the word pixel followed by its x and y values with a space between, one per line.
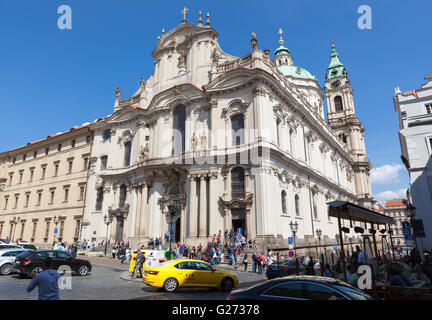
pixel 9 246
pixel 301 288
pixel 284 269
pixel 29 263
pixel 7 260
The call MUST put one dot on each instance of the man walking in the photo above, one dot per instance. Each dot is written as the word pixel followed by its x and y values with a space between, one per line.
pixel 139 262
pixel 46 281
pixel 254 262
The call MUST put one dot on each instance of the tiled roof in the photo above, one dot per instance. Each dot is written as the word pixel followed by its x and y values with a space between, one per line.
pixel 380 208
pixel 394 203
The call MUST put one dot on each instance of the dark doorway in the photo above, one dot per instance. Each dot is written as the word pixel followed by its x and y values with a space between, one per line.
pixel 119 228
pixel 239 220
pixel 177 231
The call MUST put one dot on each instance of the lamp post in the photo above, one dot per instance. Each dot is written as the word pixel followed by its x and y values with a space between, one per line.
pixel 56 221
pixel 294 228
pixel 107 221
pixel 15 221
pixel 318 233
pixel 174 209
pixel 410 210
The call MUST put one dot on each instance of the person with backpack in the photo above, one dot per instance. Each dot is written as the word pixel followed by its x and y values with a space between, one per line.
pixel 139 262
pixel 259 262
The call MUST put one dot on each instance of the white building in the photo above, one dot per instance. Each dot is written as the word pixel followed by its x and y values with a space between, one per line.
pixel 243 141
pixel 415 122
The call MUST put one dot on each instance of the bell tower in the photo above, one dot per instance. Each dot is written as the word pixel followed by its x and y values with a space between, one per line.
pixel 343 120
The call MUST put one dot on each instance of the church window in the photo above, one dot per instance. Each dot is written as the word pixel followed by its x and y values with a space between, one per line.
pixel 238 129
pixel 179 138
pixel 107 134
pixel 297 204
pixel 99 198
pixel 343 137
pixel 428 108
pixel 122 199
pixel 237 183
pixel 127 154
pixel 283 195
pixel 338 103
pixel 104 160
pixel 277 131
pixel 314 203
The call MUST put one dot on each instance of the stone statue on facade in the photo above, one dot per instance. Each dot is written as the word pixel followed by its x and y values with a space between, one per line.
pixel 144 152
pixel 194 142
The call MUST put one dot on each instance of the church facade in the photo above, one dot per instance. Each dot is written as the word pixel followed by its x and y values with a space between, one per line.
pixel 239 142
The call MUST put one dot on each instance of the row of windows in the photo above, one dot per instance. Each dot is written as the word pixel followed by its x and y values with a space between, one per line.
pixel 39 197
pixel 100 197
pixel 56 164
pixel 34 229
pixel 297 203
pixel 47 149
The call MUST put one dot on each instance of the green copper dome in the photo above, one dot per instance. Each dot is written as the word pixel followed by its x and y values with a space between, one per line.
pixel 336 68
pixel 286 66
pixel 296 72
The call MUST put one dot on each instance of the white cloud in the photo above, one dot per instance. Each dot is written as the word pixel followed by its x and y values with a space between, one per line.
pixel 390 195
pixel 386 174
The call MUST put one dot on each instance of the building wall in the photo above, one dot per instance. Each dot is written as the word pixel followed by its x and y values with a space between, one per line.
pixel 27 188
pixel 415 135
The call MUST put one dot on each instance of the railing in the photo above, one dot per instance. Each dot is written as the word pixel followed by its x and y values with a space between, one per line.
pixel 234 64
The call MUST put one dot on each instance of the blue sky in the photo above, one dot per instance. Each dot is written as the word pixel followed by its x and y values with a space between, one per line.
pixel 54 79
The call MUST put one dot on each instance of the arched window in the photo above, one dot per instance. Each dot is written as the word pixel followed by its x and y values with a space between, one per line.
pixel 338 103
pixel 283 196
pixel 179 122
pixel 122 198
pixel 343 137
pixel 238 129
pixel 237 183
pixel 297 204
pixel 277 131
pixel 99 198
pixel 291 136
pixel 314 203
pixel 104 161
pixel 127 154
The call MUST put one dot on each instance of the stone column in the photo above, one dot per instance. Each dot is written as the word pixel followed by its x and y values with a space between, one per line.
pixel 203 207
pixel 138 212
pixel 213 206
pixel 192 207
pixel 144 224
pixel 248 223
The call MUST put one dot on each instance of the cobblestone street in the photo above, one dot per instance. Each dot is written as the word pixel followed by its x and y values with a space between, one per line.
pixel 104 282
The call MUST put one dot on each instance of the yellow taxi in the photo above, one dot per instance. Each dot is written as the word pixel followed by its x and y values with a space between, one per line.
pixel 173 274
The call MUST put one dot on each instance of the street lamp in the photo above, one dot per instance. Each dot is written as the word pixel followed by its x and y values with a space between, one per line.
pixel 56 221
pixel 15 221
pixel 174 209
pixel 294 228
pixel 318 233
pixel 411 211
pixel 107 221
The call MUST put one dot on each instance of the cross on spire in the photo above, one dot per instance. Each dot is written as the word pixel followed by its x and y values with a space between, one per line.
pixel 332 41
pixel 184 13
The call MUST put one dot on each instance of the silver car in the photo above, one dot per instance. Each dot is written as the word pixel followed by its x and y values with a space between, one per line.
pixel 9 246
pixel 7 259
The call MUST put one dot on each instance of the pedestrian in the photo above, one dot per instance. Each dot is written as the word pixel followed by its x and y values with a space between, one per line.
pixel 139 262
pixel 245 261
pixel 167 236
pixel 264 263
pixel 113 253
pixel 128 255
pixel 254 262
pixel 259 262
pixel 46 281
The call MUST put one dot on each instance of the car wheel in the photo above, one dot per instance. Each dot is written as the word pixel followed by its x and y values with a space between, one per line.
pixel 83 270
pixel 170 285
pixel 227 284
pixel 6 269
pixel 35 271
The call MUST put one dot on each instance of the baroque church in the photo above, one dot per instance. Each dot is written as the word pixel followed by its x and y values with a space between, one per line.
pixel 239 142
pixel 229 142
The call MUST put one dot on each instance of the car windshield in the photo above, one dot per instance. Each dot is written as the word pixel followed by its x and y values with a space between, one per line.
pixel 356 294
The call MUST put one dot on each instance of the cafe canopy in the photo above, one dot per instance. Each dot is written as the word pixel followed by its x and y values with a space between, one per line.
pixel 350 211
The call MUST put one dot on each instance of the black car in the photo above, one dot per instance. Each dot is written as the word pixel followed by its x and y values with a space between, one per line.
pixel 288 268
pixel 29 263
pixel 301 288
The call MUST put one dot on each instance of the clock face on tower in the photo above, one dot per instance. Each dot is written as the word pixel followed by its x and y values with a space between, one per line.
pixel 336 84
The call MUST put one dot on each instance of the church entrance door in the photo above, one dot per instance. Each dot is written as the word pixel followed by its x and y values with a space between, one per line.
pixel 239 220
